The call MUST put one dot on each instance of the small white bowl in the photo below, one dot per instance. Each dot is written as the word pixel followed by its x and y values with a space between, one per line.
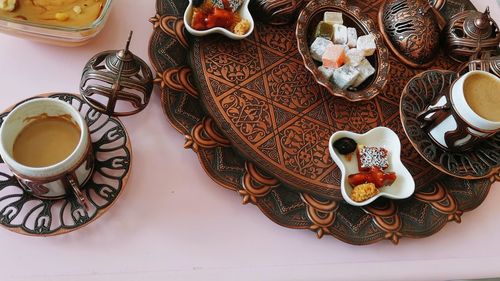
pixel 404 185
pixel 242 10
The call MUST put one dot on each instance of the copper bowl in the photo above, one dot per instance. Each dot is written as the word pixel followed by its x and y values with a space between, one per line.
pixel 276 12
pixel 309 18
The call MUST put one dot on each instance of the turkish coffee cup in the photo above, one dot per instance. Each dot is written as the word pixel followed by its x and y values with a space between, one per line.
pixel 46 144
pixel 467 113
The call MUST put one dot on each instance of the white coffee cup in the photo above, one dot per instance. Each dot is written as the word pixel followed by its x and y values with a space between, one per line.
pixel 455 125
pixel 58 180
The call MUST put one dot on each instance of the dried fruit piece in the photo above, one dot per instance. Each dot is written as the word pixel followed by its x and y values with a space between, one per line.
pixel 375 176
pixel 345 145
pixel 363 192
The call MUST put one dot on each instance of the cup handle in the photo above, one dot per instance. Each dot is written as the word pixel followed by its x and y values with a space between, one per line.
pixel 77 191
pixel 422 116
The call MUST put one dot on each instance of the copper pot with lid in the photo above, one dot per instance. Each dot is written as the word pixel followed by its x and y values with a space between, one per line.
pixel 469 33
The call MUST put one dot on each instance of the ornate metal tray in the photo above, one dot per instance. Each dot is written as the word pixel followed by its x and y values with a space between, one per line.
pixel 273 112
pixel 424 214
pixel 25 214
pixel 482 161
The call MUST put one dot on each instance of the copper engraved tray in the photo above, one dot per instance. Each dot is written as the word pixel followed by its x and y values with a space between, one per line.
pixel 25 214
pixel 273 112
pixel 422 215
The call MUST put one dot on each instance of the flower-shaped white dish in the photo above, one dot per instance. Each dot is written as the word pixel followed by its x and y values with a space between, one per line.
pixel 242 10
pixel 404 185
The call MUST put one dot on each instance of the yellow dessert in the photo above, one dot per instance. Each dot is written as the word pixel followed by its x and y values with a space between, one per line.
pixel 67 13
pixel 242 27
pixel 363 192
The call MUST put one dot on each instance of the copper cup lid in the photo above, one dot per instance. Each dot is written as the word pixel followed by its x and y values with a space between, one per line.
pixel 117 82
pixel 411 30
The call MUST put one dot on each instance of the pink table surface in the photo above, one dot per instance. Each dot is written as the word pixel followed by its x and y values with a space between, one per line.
pixel 173 223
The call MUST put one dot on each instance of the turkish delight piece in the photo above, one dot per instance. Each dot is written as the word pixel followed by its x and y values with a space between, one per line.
pixel 327 72
pixel 324 30
pixel 367 44
pixel 365 71
pixel 371 156
pixel 334 56
pixel 339 34
pixel 333 18
pixel 344 77
pixel 352 37
pixel 233 4
pixel 318 48
pixel 354 57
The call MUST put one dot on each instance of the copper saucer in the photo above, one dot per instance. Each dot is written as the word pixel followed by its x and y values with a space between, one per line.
pixel 482 161
pixel 22 213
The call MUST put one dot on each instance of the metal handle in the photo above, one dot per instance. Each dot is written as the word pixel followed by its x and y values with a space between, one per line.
pixel 76 189
pixel 422 116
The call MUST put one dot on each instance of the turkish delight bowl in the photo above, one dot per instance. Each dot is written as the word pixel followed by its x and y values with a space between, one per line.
pixel 404 185
pixel 307 22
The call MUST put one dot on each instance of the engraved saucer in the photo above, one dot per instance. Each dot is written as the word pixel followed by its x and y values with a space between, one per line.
pixel 25 214
pixel 482 161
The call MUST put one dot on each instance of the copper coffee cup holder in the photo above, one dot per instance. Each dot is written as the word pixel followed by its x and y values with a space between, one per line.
pixel 464 136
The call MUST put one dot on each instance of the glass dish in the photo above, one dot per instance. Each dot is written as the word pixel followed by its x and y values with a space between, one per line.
pixel 56 35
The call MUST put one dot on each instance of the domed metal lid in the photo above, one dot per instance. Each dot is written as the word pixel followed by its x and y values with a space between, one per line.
pixel 411 30
pixel 117 83
pixel 469 33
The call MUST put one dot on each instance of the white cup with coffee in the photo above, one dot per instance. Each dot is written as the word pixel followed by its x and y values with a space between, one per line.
pixel 469 112
pixel 46 143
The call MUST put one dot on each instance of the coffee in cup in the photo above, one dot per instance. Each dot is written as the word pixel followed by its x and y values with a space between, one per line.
pixel 467 113
pixel 46 140
pixel 482 94
pixel 46 144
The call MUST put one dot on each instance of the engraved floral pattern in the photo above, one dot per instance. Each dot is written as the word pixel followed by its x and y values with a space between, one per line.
pixel 249 114
pixel 290 85
pixel 234 68
pixel 305 148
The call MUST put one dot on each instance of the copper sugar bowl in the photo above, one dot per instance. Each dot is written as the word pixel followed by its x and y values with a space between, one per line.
pixel 471 32
pixel 411 29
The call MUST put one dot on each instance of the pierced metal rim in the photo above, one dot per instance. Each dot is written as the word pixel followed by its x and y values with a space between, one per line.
pixel 99 213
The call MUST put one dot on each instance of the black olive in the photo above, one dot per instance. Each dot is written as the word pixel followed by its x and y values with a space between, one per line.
pixel 345 145
pixel 197 3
